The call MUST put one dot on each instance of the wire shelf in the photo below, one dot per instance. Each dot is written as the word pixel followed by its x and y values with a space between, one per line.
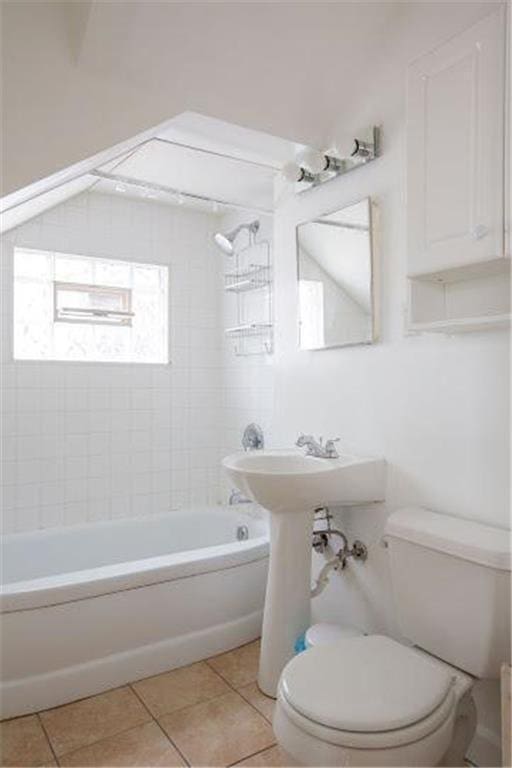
pixel 253 333
pixel 254 278
pixel 249 329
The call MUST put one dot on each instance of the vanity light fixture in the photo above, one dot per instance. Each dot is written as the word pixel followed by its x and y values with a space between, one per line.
pixel 314 167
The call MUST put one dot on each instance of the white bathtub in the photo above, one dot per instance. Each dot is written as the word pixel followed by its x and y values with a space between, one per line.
pixel 91 607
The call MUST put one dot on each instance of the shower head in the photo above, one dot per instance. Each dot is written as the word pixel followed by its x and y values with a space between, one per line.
pixel 226 241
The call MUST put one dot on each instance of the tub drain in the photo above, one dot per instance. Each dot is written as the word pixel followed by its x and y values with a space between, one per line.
pixel 242 533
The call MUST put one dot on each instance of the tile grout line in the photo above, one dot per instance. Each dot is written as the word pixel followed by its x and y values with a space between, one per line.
pixel 256 708
pixel 98 741
pixel 178 750
pixel 40 721
pixel 271 746
pixel 253 754
pixel 130 686
pixel 241 694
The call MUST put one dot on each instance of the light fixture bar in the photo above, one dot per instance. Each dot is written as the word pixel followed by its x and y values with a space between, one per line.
pixel 153 187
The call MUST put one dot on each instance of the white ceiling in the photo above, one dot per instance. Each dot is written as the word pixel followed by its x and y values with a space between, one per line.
pixel 79 77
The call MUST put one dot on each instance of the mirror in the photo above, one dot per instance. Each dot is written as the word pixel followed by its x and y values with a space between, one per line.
pixel 335 285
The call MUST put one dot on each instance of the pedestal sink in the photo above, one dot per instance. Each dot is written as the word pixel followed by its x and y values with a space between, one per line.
pixel 290 485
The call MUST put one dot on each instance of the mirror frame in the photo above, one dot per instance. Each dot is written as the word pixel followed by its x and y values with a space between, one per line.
pixel 372 215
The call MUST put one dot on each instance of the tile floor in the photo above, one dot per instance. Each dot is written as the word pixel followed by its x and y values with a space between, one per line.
pixel 207 714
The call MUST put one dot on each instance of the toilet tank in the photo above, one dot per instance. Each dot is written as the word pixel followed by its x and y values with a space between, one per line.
pixel 451 587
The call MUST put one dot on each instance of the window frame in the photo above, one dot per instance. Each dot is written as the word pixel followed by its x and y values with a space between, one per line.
pixel 91 316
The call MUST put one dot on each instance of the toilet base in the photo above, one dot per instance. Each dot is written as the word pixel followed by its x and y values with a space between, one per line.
pixel 464 729
pixel 445 746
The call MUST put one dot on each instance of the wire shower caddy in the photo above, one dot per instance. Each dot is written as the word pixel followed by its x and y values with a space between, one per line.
pixel 251 283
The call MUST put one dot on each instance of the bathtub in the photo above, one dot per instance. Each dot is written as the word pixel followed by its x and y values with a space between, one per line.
pixel 91 607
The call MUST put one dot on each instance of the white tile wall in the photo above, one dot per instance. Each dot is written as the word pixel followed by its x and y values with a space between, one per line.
pixel 83 442
pixel 248 392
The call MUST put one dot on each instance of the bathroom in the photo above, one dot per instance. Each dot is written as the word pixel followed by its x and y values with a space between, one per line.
pixel 135 570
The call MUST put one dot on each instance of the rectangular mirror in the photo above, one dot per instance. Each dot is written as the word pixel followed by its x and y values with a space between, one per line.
pixel 335 278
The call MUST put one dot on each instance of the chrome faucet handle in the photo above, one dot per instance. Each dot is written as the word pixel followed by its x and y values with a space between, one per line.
pixel 252 439
pixel 330 448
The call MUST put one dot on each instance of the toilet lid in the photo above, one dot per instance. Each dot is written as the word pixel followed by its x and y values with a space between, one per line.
pixel 369 683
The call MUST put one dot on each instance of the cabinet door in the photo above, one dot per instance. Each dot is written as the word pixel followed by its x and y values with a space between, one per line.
pixel 455 150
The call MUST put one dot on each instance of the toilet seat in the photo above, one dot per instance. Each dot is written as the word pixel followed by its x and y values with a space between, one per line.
pixel 367 692
pixel 371 740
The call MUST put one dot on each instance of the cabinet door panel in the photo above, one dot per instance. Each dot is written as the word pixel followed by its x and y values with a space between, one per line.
pixel 455 151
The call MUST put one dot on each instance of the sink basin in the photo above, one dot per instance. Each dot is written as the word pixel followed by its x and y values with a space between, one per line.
pixel 290 485
pixel 289 480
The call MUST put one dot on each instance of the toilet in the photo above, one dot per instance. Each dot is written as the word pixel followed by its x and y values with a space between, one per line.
pixel 369 700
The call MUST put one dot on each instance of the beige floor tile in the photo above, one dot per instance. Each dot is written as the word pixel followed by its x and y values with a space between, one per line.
pixel 218 732
pixel 82 723
pixel 180 688
pixel 254 696
pixel 269 758
pixel 144 745
pixel 238 667
pixel 23 742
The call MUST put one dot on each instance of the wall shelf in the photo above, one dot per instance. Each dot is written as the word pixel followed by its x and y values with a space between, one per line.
pixel 461 300
pixel 463 324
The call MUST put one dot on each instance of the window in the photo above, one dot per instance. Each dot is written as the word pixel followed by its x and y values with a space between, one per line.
pixel 70 307
pixel 99 304
pixel 311 309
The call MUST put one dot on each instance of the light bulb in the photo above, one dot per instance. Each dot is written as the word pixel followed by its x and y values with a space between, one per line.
pixel 315 161
pixel 296 173
pixel 292 172
pixel 347 148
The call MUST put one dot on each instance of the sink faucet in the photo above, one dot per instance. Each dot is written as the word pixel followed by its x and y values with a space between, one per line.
pixel 317 448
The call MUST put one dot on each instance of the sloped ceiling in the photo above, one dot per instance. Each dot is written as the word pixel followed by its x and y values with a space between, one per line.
pixel 195 155
pixel 200 173
pixel 81 77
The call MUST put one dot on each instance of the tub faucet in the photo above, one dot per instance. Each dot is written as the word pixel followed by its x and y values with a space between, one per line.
pixel 317 448
pixel 252 439
pixel 236 497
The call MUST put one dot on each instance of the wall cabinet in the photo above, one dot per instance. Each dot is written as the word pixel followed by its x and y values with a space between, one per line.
pixel 456 153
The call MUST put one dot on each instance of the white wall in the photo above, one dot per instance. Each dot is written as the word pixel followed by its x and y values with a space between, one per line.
pixel 435 406
pixel 88 441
